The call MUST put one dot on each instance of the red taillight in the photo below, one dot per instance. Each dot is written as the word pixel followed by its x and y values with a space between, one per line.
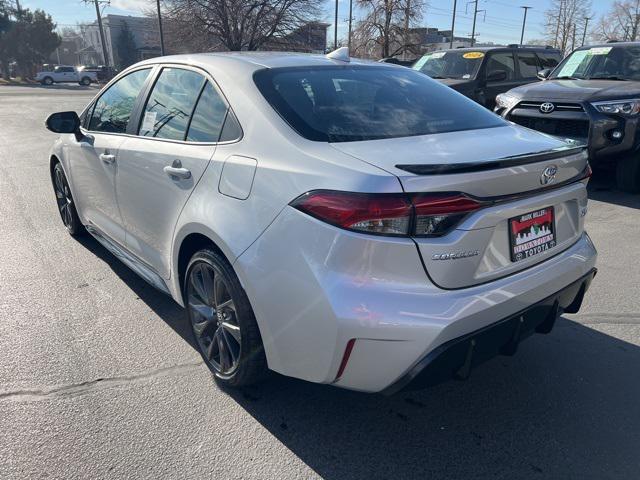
pixel 437 214
pixel 388 214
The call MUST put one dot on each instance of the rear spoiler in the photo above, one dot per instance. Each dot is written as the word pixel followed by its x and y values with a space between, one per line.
pixel 506 162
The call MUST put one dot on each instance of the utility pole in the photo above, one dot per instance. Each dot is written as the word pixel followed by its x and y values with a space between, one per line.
pixel 350 20
pixel 453 22
pixel 584 33
pixel 573 38
pixel 524 22
pixel 406 30
pixel 335 29
pixel 160 28
pixel 102 41
pixel 475 15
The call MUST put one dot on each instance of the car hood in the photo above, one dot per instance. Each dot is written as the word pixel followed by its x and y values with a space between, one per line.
pixel 578 90
pixel 471 146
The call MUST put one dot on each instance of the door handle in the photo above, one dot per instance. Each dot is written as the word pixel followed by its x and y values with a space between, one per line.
pixel 179 172
pixel 107 158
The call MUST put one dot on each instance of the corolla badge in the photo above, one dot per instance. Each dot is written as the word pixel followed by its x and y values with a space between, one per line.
pixel 548 175
pixel 547 107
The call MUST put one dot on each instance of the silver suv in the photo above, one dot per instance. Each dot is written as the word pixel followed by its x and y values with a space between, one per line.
pixel 339 221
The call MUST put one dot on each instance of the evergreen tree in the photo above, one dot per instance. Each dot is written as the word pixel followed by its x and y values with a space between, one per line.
pixel 126 47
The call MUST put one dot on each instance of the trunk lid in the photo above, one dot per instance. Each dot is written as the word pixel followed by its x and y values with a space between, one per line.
pixel 503 166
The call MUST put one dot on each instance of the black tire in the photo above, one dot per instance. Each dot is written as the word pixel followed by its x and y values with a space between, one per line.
pixel 65 203
pixel 250 364
pixel 85 81
pixel 47 81
pixel 628 174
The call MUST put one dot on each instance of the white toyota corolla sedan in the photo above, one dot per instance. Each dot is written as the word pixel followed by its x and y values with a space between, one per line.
pixel 334 220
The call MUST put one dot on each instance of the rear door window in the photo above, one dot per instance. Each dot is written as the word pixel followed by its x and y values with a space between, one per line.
pixel 528 64
pixel 171 103
pixel 502 61
pixel 548 60
pixel 208 117
pixel 113 109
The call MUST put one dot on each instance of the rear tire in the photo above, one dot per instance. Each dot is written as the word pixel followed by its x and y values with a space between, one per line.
pixel 85 81
pixel 66 205
pixel 222 322
pixel 628 174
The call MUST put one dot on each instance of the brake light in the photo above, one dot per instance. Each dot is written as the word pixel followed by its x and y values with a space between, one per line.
pixel 437 214
pixel 388 214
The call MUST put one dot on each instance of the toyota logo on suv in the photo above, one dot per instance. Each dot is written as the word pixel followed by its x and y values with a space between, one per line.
pixel 547 107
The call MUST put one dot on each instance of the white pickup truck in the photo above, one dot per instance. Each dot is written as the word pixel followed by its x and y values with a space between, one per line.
pixel 65 73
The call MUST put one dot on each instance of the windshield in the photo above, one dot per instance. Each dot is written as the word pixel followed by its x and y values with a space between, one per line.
pixel 451 64
pixel 351 103
pixel 609 63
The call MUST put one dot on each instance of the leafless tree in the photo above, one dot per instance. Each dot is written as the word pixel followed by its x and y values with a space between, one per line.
pixel 386 25
pixel 565 21
pixel 622 22
pixel 235 24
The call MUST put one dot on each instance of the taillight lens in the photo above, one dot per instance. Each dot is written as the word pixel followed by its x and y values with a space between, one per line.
pixel 437 214
pixel 388 214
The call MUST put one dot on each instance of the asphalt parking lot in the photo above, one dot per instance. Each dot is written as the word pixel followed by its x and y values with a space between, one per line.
pixel 98 377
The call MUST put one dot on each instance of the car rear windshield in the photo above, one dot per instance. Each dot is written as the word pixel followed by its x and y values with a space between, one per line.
pixel 353 103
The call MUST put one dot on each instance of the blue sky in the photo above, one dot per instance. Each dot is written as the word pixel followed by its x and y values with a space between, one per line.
pixel 502 24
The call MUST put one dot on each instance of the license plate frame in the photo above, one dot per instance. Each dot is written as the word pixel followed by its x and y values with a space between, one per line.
pixel 532 234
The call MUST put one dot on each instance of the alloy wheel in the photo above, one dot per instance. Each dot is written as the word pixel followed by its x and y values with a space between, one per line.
pixel 63 198
pixel 214 318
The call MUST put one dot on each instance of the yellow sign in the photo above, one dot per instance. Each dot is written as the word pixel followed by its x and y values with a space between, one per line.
pixel 472 55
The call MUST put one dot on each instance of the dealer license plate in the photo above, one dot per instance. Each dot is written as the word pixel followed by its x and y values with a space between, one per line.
pixel 531 234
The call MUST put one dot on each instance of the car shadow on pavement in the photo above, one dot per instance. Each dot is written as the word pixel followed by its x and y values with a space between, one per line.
pixel 565 406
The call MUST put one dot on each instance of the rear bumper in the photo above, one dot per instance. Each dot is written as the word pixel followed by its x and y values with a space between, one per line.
pixel 316 289
pixel 456 358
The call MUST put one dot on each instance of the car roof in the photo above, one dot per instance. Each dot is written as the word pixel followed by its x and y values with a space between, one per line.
pixel 526 48
pixel 259 60
pixel 610 44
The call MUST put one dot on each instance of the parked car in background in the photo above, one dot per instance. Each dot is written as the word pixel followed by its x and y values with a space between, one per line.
pixel 481 73
pixel 335 220
pixel 66 74
pixel 592 96
pixel 102 72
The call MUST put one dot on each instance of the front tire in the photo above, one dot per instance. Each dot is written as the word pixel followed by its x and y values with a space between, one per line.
pixel 222 321
pixel 47 81
pixel 66 205
pixel 628 174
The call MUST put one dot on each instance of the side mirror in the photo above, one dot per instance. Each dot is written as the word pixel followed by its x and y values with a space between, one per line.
pixel 63 122
pixel 497 76
pixel 544 74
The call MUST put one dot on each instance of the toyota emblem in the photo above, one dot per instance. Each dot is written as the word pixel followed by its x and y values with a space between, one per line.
pixel 548 175
pixel 547 107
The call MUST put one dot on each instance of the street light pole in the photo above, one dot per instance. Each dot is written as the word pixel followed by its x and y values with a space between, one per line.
pixel 453 22
pixel 160 28
pixel 524 22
